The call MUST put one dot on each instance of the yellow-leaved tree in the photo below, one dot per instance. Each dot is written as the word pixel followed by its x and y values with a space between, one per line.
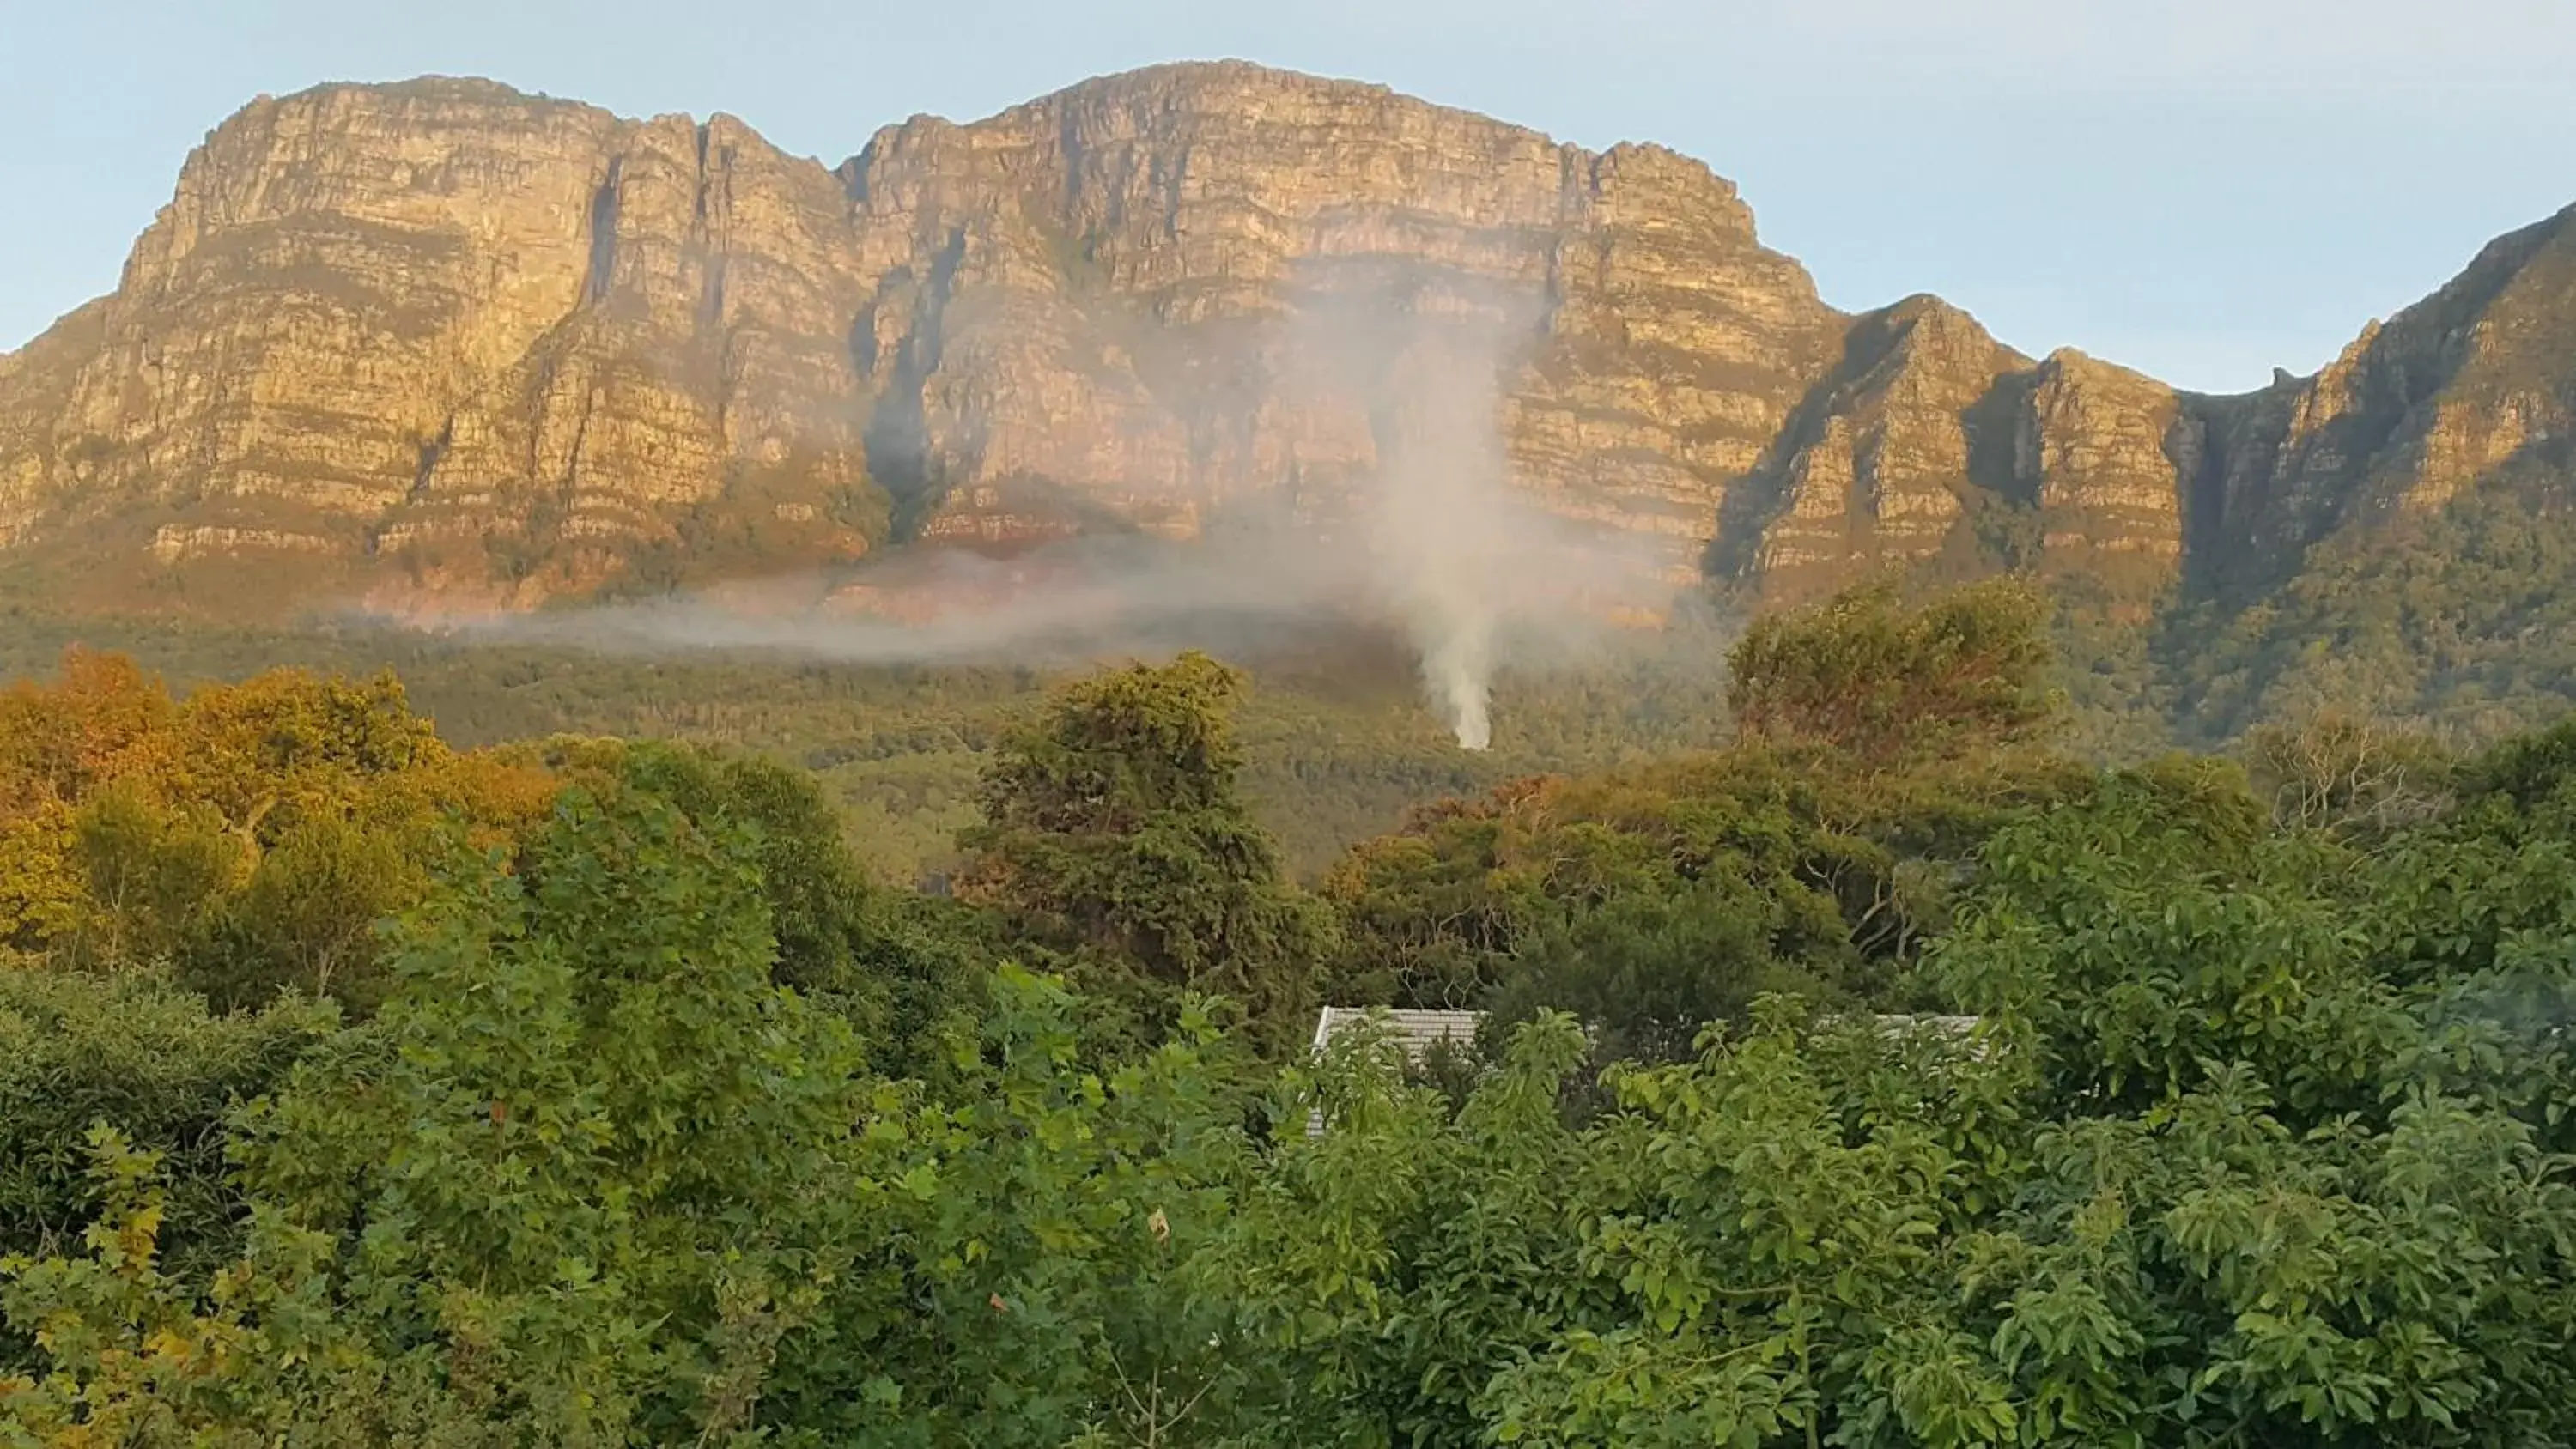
pixel 247 836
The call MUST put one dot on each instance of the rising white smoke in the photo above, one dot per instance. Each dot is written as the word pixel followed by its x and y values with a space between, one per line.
pixel 1447 533
pixel 1448 550
pixel 1477 573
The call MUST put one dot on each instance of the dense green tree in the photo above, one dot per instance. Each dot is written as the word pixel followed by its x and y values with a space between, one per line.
pixel 1652 969
pixel 2475 914
pixel 816 892
pixel 79 1049
pixel 1390 1262
pixel 2461 619
pixel 306 915
pixel 1654 900
pixel 1883 682
pixel 593 1169
pixel 151 877
pixel 1039 1277
pixel 892 963
pixel 2287 1171
pixel 2258 1131
pixel 1112 826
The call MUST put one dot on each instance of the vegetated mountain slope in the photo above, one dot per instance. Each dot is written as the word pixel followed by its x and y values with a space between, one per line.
pixel 2398 533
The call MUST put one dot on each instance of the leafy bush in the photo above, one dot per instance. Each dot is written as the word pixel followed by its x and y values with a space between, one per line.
pixel 130 1052
pixel 1113 827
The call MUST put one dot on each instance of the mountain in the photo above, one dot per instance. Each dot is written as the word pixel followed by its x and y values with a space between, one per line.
pixel 452 336
pixel 2474 384
pixel 447 337
pixel 1933 443
pixel 440 343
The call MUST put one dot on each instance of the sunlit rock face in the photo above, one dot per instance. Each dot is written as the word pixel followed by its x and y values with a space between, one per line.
pixel 441 344
pixel 2474 384
pixel 1197 287
pixel 444 336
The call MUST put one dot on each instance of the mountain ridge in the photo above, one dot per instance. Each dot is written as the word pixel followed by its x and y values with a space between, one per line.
pixel 443 343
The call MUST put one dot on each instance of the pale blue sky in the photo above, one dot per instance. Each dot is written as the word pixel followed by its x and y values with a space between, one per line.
pixel 2201 188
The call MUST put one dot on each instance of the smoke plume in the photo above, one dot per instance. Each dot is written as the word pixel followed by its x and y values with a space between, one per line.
pixel 1434 541
pixel 1445 532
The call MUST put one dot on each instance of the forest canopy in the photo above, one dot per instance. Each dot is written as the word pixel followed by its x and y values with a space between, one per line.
pixel 1890 1073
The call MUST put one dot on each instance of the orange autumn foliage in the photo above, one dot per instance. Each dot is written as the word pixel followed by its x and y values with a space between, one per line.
pixel 273 819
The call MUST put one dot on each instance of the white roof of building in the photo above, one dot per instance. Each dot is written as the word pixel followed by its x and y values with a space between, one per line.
pixel 1946 1025
pixel 1414 1031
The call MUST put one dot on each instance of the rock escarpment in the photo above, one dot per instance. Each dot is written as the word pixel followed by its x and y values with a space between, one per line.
pixel 2475 384
pixel 1200 287
pixel 1887 457
pixel 442 343
pixel 447 336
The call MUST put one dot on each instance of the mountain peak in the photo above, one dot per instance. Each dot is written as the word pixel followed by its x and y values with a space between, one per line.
pixel 1224 73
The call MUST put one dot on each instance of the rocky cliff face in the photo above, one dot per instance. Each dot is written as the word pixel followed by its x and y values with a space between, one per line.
pixel 1197 287
pixel 2476 383
pixel 442 343
pixel 445 337
pixel 1935 447
pixel 1887 456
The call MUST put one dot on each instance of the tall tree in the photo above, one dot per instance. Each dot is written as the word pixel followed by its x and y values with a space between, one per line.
pixel 885 960
pixel 1882 682
pixel 1113 826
